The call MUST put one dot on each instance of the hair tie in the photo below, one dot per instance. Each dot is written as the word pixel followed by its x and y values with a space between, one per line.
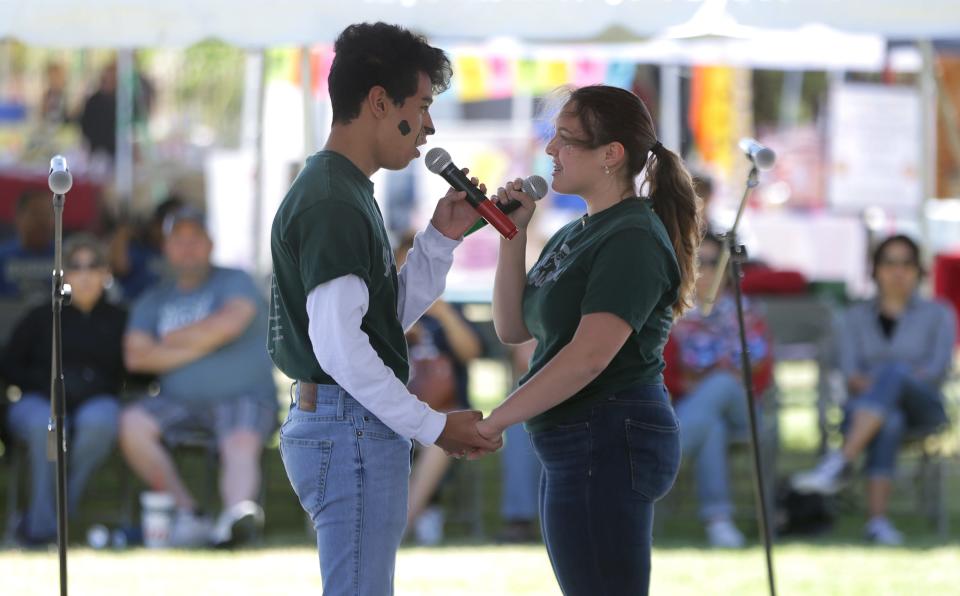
pixel 656 148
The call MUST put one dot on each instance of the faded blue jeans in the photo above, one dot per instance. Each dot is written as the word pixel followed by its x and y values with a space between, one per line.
pixel 712 415
pixel 92 430
pixel 905 405
pixel 602 473
pixel 351 474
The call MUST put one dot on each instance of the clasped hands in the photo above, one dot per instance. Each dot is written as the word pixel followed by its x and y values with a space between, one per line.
pixel 468 434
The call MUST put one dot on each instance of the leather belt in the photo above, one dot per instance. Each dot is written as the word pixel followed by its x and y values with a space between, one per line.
pixel 307 401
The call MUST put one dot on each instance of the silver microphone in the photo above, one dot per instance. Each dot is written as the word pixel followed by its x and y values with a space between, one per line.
pixel 761 156
pixel 535 186
pixel 60 179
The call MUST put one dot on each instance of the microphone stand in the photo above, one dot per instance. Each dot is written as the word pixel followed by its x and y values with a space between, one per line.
pixel 56 435
pixel 736 253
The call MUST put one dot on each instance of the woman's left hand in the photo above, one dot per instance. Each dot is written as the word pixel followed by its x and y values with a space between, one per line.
pixel 488 430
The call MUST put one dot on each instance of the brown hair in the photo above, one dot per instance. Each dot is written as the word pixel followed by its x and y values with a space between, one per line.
pixel 83 241
pixel 610 114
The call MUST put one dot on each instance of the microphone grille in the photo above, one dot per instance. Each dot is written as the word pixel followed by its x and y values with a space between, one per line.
pixel 535 186
pixel 765 158
pixel 60 181
pixel 437 159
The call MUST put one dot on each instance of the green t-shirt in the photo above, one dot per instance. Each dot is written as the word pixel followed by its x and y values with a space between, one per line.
pixel 328 226
pixel 617 261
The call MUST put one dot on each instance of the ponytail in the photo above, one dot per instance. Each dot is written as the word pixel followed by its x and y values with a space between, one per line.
pixel 611 114
pixel 677 205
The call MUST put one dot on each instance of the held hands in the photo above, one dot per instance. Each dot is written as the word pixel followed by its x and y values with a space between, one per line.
pixel 461 436
pixel 489 430
pixel 454 215
pixel 513 190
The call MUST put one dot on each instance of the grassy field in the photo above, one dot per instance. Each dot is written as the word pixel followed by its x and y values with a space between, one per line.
pixel 839 563
pixel 473 571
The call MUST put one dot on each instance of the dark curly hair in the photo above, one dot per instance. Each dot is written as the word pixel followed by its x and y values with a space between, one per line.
pixel 385 55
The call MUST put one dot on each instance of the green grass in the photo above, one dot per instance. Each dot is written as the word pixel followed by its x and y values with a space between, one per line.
pixel 839 563
pixel 486 570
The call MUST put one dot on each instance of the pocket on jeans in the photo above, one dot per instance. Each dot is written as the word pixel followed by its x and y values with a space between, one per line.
pixel 306 462
pixel 653 442
pixel 373 428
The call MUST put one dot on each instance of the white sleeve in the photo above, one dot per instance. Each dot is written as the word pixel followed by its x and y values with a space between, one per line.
pixel 335 310
pixel 424 275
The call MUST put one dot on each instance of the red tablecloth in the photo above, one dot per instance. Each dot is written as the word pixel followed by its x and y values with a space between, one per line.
pixel 946 280
pixel 82 206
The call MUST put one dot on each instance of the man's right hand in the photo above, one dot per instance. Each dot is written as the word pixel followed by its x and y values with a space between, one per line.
pixel 460 435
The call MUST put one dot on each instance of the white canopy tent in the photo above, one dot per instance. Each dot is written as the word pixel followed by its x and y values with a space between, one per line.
pixel 773 33
pixel 255 23
pixel 134 23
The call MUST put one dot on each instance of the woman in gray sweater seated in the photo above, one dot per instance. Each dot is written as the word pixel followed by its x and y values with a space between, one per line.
pixel 895 353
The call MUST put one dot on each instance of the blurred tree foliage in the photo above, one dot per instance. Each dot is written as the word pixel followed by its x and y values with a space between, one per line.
pixel 768 95
pixel 208 81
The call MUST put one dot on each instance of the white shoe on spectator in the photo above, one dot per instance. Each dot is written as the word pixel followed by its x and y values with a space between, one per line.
pixel 189 529
pixel 237 525
pixel 722 533
pixel 879 530
pixel 825 479
pixel 428 528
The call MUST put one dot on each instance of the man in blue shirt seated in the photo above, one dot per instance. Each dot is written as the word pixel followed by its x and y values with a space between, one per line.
pixel 26 261
pixel 203 333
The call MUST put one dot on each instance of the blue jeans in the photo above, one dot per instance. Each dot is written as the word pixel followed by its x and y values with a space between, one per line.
pixel 351 473
pixel 711 415
pixel 521 476
pixel 904 404
pixel 92 428
pixel 602 474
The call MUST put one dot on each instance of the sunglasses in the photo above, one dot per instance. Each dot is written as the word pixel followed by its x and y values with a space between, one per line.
pixel 84 266
pixel 897 263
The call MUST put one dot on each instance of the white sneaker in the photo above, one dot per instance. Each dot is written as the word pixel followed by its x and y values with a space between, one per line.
pixel 825 479
pixel 238 524
pixel 722 533
pixel 189 529
pixel 428 529
pixel 879 530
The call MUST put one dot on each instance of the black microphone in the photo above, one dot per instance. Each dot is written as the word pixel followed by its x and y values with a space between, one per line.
pixel 535 186
pixel 439 162
pixel 761 156
pixel 60 179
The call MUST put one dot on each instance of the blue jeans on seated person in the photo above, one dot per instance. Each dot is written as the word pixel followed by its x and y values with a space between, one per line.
pixel 602 473
pixel 351 474
pixel 711 415
pixel 905 405
pixel 92 430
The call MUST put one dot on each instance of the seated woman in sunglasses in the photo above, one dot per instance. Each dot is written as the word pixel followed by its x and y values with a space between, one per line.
pixel 705 381
pixel 93 373
pixel 895 352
